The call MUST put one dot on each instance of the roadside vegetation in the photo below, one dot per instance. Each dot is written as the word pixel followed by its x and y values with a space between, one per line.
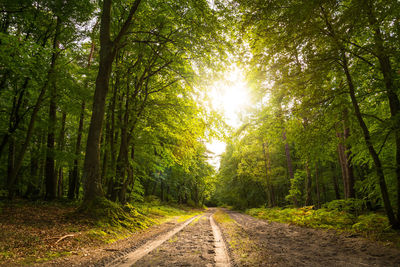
pixel 346 216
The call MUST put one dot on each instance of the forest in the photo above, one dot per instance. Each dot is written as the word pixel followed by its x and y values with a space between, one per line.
pixel 107 103
pixel 99 100
pixel 326 123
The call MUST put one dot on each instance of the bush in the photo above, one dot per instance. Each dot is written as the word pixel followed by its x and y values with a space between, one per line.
pixel 371 223
pixel 337 215
pixel 153 200
pixel 350 205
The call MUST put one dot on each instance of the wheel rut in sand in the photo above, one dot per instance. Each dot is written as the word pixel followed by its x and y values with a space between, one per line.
pixel 197 242
pixel 134 256
pixel 221 253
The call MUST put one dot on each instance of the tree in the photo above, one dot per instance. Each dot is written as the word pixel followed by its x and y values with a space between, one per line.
pixel 108 50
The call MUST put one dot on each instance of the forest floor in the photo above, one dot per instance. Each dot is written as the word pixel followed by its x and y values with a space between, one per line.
pixel 31 235
pixel 56 234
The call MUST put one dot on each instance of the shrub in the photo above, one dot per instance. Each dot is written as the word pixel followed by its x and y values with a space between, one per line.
pixel 371 223
pixel 350 205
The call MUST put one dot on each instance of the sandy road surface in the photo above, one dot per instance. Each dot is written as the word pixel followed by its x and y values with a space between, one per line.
pixel 195 245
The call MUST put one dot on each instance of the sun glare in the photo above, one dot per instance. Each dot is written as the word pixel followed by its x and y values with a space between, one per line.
pixel 230 97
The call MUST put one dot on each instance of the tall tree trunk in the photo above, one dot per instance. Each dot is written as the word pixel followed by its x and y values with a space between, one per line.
pixel 288 158
pixel 51 177
pixel 335 182
pixel 347 157
pixel 131 177
pixel 73 187
pixel 11 158
pixel 32 190
pixel 74 178
pixel 91 170
pixel 15 117
pixel 61 144
pixel 389 79
pixel 113 136
pixel 371 149
pixel 289 163
pixel 308 185
pixel 343 163
pixel 162 190
pixel 317 189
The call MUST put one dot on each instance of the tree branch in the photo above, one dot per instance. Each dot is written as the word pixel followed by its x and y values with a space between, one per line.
pixel 127 23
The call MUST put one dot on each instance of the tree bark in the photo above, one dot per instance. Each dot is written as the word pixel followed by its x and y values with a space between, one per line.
pixel 335 182
pixel 367 138
pixel 51 177
pixel 389 80
pixel 317 189
pixel 61 144
pixel 15 118
pixel 108 48
pixel 91 169
pixel 11 158
pixel 288 158
pixel 73 188
pixel 74 178
pixel 350 193
pixel 309 201
pixel 342 162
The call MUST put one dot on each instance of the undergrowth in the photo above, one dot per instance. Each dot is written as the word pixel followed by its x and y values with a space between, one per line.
pixel 333 216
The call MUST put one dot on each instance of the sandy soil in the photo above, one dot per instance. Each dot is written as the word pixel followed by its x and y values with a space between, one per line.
pixel 287 245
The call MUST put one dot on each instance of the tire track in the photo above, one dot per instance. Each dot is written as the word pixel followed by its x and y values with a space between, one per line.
pixel 221 253
pixel 132 257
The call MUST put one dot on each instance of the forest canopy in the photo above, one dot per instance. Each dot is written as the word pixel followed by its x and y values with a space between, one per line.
pixel 105 99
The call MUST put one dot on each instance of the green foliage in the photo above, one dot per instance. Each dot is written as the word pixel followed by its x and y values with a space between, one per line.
pixel 296 185
pixel 312 129
pixel 371 224
pixel 334 217
pixel 350 205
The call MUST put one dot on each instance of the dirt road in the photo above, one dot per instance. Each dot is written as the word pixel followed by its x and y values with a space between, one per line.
pixel 199 241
